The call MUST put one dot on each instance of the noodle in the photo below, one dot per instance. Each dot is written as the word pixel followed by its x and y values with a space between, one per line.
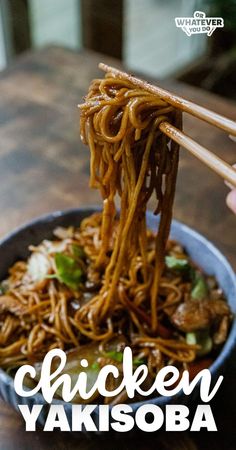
pixel 141 163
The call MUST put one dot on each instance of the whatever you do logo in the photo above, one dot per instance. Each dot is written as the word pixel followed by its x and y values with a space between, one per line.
pixel 199 24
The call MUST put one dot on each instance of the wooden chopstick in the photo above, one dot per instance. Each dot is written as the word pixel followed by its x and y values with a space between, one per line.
pixel 215 163
pixel 181 103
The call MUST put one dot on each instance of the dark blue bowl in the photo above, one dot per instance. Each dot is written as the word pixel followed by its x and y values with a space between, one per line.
pixel 204 253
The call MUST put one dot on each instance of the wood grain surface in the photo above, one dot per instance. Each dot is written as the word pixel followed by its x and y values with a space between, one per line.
pixel 44 167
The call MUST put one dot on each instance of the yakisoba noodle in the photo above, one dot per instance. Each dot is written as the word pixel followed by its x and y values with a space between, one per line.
pixel 131 158
pixel 133 286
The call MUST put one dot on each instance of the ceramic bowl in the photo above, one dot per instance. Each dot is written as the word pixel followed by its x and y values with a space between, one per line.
pixel 201 250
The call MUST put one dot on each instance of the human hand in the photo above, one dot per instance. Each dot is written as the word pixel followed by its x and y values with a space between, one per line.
pixel 231 200
pixel 231 197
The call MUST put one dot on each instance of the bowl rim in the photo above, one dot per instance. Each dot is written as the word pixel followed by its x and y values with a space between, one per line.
pixel 191 232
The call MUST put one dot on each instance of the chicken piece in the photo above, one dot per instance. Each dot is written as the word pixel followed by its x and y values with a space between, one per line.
pixel 198 314
pixel 64 233
pixel 12 305
pixel 222 332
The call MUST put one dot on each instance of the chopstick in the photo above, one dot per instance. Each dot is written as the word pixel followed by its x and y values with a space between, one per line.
pixel 215 163
pixel 181 103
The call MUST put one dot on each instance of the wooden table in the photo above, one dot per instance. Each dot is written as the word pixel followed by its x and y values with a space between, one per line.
pixel 44 167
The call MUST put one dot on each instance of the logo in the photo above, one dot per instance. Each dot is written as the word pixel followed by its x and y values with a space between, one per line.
pixel 199 24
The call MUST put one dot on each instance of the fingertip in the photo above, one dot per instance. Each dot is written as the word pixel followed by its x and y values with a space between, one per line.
pixel 231 200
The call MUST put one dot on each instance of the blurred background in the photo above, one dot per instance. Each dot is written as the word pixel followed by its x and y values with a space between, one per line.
pixel 138 32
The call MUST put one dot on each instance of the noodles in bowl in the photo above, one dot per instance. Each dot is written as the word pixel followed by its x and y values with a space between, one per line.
pixel 113 282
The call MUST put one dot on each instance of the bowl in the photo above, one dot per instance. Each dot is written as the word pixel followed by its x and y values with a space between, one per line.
pixel 202 251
